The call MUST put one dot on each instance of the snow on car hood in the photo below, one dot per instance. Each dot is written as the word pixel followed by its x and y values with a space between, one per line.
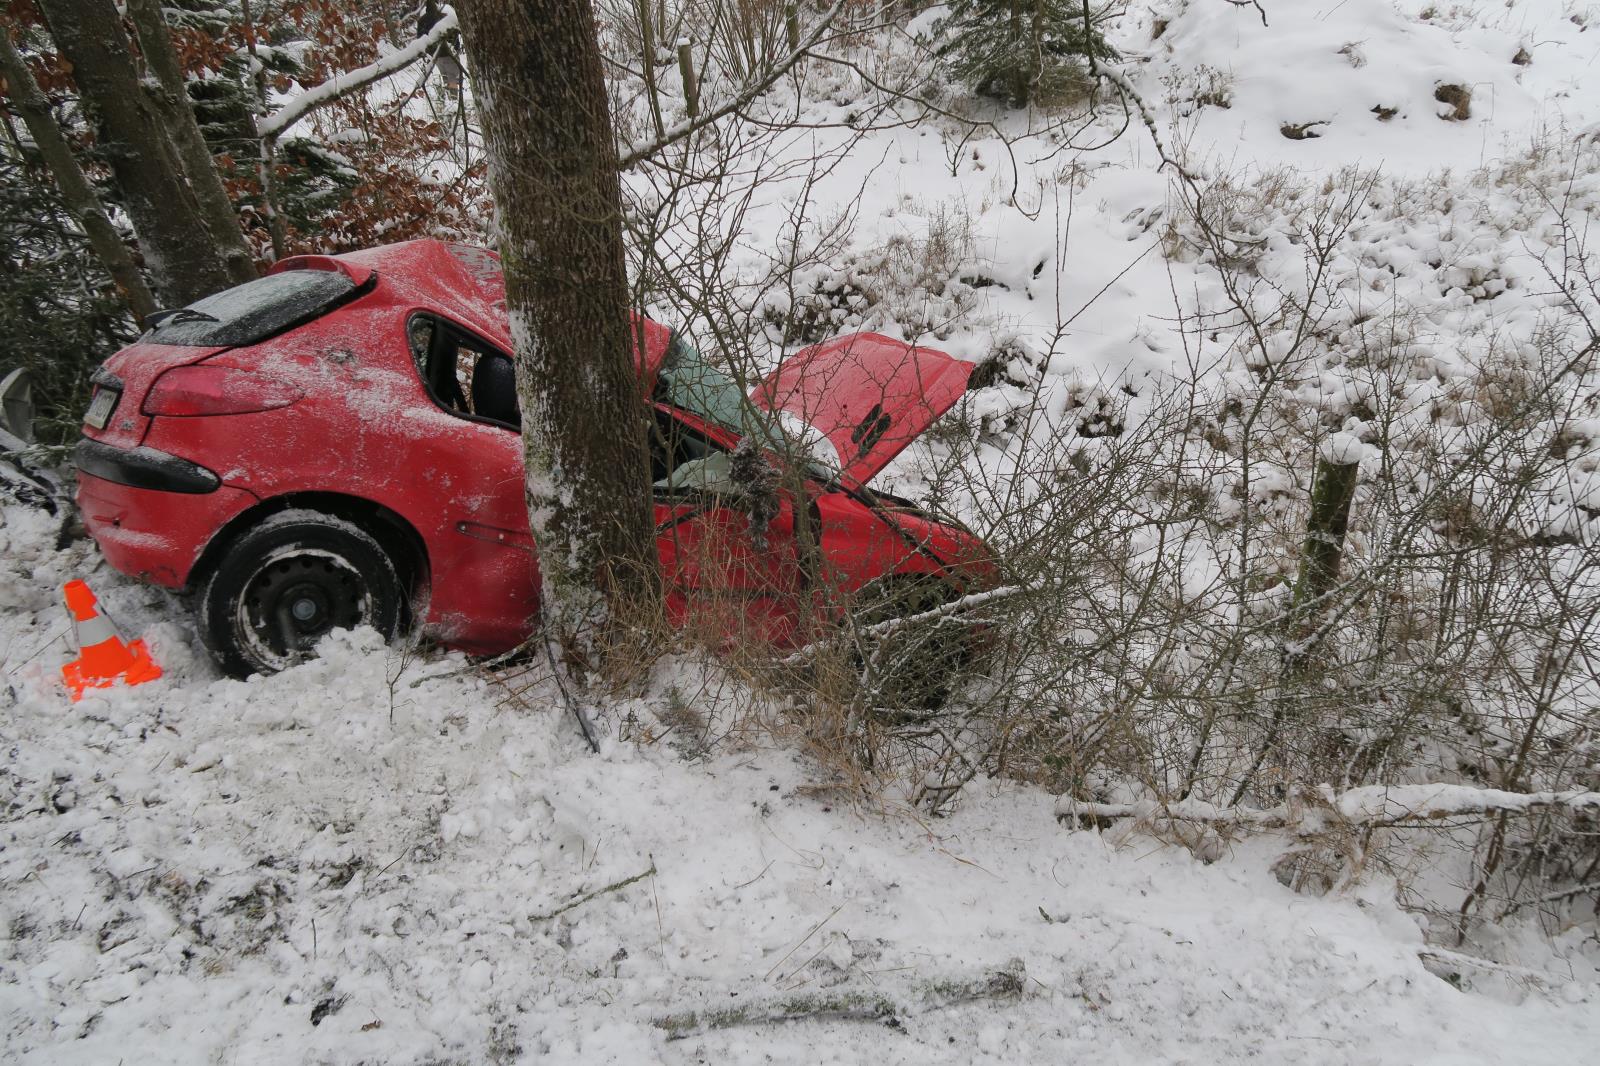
pixel 867 395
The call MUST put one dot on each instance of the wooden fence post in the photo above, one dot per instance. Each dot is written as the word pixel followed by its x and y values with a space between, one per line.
pixel 1333 488
pixel 647 48
pixel 691 88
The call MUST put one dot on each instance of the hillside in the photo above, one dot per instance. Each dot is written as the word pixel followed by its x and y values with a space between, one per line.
pixel 387 855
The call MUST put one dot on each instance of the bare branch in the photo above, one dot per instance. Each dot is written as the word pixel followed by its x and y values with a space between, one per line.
pixel 633 155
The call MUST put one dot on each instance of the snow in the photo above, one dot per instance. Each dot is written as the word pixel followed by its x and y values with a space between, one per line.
pixel 349 861
pixel 360 859
pixel 1342 449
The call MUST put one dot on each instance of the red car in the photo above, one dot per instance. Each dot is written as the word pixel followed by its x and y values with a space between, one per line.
pixel 337 443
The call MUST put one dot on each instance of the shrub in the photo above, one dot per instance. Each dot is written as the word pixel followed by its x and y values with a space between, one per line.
pixel 59 312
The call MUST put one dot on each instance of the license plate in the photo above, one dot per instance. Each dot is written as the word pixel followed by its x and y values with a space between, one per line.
pixel 100 408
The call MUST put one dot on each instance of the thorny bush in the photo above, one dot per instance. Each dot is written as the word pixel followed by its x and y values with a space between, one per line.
pixel 1150 646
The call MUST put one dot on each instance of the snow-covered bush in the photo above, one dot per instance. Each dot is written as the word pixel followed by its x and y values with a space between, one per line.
pixel 1156 649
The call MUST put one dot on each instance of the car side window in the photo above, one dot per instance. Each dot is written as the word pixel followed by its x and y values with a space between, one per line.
pixel 682 461
pixel 464 375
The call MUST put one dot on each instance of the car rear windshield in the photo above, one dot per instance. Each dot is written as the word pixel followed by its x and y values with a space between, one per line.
pixel 254 311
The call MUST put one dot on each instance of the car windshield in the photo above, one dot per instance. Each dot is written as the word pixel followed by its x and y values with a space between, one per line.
pixel 688 381
pixel 254 311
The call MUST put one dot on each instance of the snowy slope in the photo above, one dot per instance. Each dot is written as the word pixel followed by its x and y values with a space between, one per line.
pixel 333 865
pixel 304 869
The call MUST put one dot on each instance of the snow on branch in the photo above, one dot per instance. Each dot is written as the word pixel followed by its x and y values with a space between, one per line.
pixel 1371 805
pixel 966 603
pixel 273 125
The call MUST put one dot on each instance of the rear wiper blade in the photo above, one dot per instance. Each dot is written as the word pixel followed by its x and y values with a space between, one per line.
pixel 181 314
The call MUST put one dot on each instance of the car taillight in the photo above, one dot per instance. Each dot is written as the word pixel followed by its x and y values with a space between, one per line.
pixel 217 390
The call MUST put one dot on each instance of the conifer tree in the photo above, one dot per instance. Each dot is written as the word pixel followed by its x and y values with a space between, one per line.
pixel 1018 50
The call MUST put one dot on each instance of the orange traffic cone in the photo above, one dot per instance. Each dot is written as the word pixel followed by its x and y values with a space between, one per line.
pixel 103 658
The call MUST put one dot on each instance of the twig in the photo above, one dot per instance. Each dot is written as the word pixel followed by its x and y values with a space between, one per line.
pixel 633 155
pixel 803 939
pixel 566 697
pixel 581 900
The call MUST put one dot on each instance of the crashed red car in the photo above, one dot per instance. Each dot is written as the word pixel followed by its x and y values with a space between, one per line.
pixel 337 444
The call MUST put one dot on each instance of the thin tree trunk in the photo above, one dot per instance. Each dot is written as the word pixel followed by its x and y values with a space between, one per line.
pixel 266 147
pixel 178 252
pixel 647 40
pixel 553 171
pixel 76 191
pixel 172 103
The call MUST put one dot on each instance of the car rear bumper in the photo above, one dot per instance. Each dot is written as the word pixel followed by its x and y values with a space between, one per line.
pixel 152 533
pixel 143 468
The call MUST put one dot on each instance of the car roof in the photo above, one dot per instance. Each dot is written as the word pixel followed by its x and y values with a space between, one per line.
pixel 464 281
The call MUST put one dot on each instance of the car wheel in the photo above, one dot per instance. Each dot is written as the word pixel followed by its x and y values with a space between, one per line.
pixel 287 583
pixel 916 668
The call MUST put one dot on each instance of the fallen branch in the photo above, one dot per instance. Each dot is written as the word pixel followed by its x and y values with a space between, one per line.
pixel 615 886
pixel 851 1005
pixel 1455 958
pixel 1309 813
pixel 878 629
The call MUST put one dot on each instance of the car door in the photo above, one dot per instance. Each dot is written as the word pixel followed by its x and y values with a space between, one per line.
pixel 484 596
pixel 730 564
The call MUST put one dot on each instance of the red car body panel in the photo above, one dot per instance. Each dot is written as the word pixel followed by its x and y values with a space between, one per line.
pixel 868 394
pixel 367 431
pixel 141 533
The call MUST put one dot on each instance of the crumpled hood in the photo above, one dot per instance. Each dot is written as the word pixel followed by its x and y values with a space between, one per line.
pixel 867 394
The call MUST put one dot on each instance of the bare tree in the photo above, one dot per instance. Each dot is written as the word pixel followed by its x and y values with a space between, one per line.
pixel 185 257
pixel 553 171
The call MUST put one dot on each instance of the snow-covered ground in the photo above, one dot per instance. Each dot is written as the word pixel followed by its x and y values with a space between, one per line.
pixel 353 861
pixel 332 865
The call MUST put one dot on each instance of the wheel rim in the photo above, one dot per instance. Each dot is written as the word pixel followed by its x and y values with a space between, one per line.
pixel 294 599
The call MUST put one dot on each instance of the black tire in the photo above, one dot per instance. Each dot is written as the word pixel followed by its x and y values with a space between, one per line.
pixel 288 582
pixel 919 666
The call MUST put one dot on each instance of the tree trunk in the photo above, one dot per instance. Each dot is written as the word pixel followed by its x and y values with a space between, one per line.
pixel 266 147
pixel 553 171
pixel 172 104
pixel 76 191
pixel 183 262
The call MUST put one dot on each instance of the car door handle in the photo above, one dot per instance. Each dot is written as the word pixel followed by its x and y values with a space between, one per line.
pixel 510 538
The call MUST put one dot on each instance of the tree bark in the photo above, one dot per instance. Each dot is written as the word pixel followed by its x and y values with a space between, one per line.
pixel 172 104
pixel 76 191
pixel 178 251
pixel 1333 488
pixel 553 171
